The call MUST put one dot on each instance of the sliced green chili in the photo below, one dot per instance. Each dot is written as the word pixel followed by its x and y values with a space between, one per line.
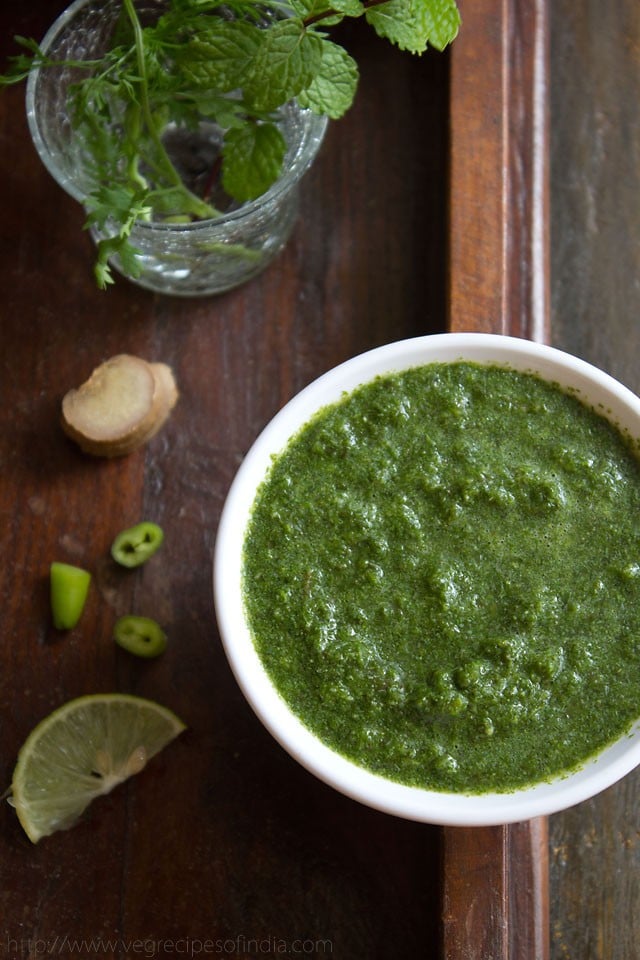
pixel 69 586
pixel 134 546
pixel 140 636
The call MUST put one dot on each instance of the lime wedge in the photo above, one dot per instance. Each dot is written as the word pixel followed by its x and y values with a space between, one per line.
pixel 83 750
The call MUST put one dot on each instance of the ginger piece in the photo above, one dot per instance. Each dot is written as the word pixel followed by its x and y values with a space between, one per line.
pixel 167 393
pixel 121 406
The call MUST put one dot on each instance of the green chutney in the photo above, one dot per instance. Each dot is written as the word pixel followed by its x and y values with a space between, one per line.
pixel 441 576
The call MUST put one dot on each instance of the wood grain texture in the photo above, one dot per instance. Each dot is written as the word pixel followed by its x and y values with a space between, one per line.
pixel 595 218
pixel 225 841
pixel 495 894
pixel 496 879
pixel 225 836
pixel 499 194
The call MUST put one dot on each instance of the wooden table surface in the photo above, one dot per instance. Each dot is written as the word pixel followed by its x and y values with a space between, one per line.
pixel 595 308
pixel 224 845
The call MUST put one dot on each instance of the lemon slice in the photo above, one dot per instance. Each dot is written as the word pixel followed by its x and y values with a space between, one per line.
pixel 83 750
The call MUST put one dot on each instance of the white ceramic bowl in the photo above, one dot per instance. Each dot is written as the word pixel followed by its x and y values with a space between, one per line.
pixel 594 386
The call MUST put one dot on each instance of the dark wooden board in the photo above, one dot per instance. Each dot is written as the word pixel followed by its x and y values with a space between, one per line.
pixel 224 837
pixel 595 225
pixel 401 233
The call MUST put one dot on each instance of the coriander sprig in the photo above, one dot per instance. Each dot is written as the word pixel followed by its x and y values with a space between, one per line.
pixel 234 67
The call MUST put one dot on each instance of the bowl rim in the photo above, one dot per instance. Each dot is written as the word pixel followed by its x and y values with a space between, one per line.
pixel 597 388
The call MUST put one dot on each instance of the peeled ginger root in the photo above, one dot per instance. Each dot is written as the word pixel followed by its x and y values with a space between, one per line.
pixel 121 406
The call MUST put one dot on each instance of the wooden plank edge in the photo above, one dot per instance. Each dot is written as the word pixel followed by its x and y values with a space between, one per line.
pixel 499 170
pixel 495 895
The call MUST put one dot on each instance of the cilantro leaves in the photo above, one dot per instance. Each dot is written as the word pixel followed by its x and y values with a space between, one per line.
pixel 233 67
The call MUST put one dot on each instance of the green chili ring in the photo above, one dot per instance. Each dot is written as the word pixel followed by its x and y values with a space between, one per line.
pixel 140 636
pixel 134 546
pixel 68 587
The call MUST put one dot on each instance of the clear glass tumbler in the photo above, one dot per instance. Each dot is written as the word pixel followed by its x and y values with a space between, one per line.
pixel 184 259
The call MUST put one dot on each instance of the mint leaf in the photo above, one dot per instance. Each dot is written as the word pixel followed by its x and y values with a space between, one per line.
pixel 225 111
pixel 414 24
pixel 220 57
pixel 443 21
pixel 287 61
pixel 333 88
pixel 234 62
pixel 309 8
pixel 321 10
pixel 252 159
pixel 350 8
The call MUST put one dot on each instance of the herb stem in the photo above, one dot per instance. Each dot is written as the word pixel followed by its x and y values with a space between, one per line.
pixel 198 207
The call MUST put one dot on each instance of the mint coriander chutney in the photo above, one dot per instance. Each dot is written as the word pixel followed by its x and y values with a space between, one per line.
pixel 441 575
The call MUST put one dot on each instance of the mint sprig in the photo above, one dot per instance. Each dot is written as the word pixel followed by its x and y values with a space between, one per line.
pixel 234 66
pixel 415 24
pixel 253 159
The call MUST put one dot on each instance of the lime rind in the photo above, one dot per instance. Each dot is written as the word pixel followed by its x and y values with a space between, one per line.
pixel 83 750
